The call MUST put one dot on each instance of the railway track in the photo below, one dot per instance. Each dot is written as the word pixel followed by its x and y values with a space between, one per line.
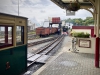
pixel 41 41
pixel 43 52
pixel 32 36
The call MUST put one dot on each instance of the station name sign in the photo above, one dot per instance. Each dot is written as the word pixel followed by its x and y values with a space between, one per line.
pixel 84 43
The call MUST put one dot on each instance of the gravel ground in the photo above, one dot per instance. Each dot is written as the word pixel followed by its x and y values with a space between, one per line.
pixel 34 48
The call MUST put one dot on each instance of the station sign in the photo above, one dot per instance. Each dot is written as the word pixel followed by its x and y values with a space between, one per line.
pixel 70 13
pixel 84 43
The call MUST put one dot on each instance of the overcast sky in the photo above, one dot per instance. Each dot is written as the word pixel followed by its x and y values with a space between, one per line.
pixel 38 10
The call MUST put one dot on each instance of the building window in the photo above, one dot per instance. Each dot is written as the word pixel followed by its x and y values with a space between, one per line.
pixel 19 35
pixel 6 36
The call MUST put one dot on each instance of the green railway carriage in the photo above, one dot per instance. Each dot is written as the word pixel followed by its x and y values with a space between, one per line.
pixel 13 44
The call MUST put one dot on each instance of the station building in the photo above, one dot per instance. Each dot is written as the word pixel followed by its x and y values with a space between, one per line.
pixel 75 5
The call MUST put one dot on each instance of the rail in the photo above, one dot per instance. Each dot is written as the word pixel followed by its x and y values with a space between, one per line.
pixel 41 41
pixel 46 49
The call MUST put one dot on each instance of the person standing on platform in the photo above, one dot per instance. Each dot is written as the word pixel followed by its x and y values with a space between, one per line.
pixel 58 31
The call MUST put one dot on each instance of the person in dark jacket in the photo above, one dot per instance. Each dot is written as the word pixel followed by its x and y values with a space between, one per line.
pixel 58 31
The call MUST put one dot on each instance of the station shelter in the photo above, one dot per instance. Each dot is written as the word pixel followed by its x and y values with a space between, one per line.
pixel 74 5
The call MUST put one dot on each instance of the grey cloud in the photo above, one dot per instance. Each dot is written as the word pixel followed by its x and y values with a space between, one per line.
pixel 26 2
pixel 46 2
pixel 29 3
pixel 15 2
pixel 42 11
pixel 8 10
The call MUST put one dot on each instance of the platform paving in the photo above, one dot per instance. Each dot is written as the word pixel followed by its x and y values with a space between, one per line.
pixel 68 63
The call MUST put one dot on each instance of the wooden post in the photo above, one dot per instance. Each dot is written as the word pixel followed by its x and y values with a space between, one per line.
pixel 97 38
pixel 95 20
pixel 6 34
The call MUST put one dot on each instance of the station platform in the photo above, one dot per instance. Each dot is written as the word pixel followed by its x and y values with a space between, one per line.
pixel 66 62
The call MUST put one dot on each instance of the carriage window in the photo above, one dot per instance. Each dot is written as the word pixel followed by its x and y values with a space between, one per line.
pixel 5 36
pixel 19 35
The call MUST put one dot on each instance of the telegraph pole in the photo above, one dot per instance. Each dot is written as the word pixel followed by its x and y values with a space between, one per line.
pixel 18 7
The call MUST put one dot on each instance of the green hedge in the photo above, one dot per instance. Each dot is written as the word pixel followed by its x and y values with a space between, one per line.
pixel 81 34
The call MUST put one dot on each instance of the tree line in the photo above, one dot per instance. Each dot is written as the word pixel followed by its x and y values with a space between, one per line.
pixel 78 21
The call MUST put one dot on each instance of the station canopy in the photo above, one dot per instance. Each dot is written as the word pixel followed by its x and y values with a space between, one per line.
pixel 65 4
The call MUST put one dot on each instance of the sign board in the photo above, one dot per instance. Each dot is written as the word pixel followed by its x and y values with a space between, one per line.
pixel 84 43
pixel 70 13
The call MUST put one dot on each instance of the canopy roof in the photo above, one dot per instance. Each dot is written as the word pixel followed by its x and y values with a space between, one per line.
pixel 64 3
